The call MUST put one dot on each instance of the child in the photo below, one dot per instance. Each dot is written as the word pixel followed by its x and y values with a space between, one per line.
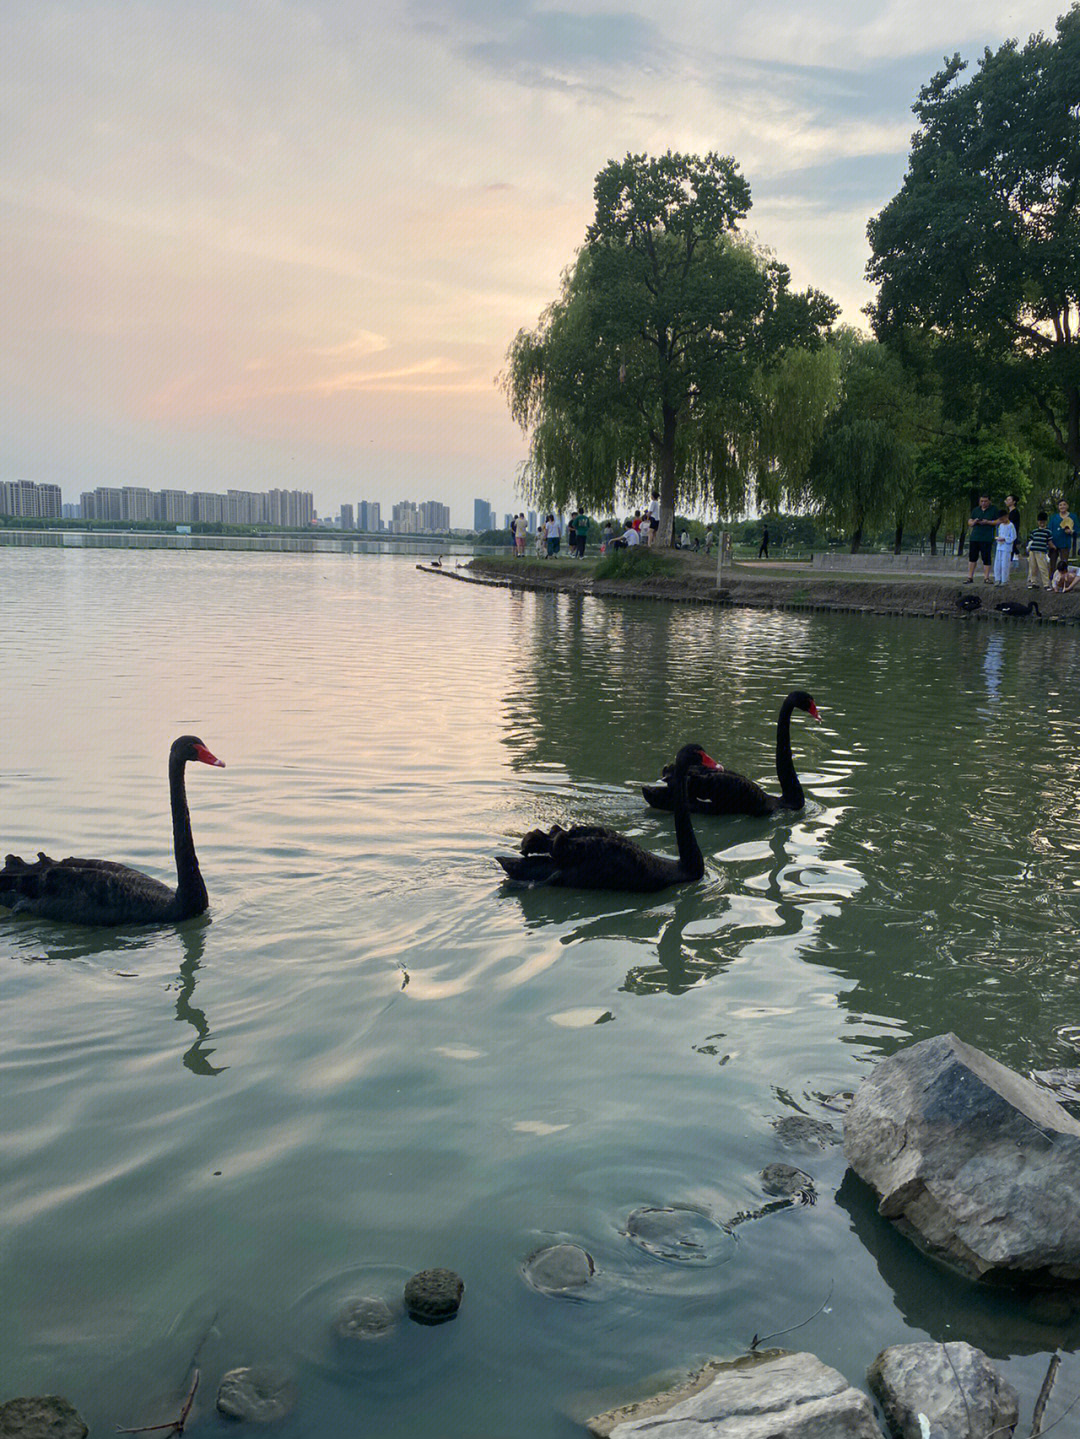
pixel 1006 533
pixel 1038 544
pixel 1064 578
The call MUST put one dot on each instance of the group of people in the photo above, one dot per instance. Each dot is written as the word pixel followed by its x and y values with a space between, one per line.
pixel 1049 546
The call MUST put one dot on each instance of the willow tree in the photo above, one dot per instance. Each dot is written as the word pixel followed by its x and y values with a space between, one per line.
pixel 646 371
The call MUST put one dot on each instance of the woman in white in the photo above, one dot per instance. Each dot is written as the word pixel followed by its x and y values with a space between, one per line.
pixel 1006 533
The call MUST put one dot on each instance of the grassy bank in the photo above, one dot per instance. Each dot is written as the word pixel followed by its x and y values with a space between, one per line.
pixel 692 578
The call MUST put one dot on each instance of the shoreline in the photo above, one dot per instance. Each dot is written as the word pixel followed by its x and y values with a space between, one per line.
pixel 772 586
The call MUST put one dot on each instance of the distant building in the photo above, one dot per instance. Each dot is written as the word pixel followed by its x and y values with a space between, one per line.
pixel 27 500
pixel 434 517
pixel 483 518
pixel 174 507
pixel 368 517
pixel 405 518
pixel 346 518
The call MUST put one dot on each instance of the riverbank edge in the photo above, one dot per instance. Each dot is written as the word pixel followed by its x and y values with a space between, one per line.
pixel 913 597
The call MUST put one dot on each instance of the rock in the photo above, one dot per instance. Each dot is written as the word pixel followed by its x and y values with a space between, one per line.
pixel 917 1382
pixel 768 1396
pixel 560 1269
pixel 784 1180
pixel 366 1318
pixel 433 1295
pixel 978 1164
pixel 46 1416
pixel 801 1129
pixel 679 1235
pixel 260 1394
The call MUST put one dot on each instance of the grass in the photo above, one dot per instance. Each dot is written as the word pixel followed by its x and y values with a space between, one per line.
pixel 634 564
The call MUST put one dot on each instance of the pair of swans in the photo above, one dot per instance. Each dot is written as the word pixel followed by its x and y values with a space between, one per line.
pixel 594 857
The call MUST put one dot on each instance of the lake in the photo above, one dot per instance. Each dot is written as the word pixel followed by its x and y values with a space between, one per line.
pixel 374 1057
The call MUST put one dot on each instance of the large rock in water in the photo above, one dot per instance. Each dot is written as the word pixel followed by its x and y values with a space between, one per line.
pixel 959 1394
pixel 777 1396
pixel 45 1416
pixel 973 1161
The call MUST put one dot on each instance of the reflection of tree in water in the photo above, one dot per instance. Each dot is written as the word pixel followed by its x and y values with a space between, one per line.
pixel 197 1058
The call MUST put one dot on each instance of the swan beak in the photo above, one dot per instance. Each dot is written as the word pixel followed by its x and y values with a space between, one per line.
pixel 203 754
pixel 813 711
pixel 708 761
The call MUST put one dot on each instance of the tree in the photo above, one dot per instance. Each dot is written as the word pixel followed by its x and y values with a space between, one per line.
pixel 982 244
pixel 646 371
pixel 863 471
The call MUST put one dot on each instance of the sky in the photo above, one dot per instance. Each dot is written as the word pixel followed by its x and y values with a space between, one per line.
pixel 256 244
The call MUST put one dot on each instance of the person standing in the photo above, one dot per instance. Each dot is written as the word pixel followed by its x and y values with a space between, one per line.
pixel 763 548
pixel 654 516
pixel 1038 543
pixel 582 534
pixel 1006 534
pixel 520 530
pixel 1062 533
pixel 981 537
pixel 1013 512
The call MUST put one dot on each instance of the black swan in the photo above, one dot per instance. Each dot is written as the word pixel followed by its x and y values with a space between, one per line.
pixel 99 891
pixel 723 791
pixel 1014 607
pixel 590 856
pixel 968 602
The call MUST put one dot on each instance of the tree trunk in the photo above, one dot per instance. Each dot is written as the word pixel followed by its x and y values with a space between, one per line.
pixel 856 539
pixel 898 539
pixel 935 525
pixel 666 464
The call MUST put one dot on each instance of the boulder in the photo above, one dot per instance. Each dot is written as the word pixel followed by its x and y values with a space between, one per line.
pixel 928 1394
pixel 433 1295
pixel 766 1396
pixel 260 1394
pixel 973 1161
pixel 45 1416
pixel 366 1318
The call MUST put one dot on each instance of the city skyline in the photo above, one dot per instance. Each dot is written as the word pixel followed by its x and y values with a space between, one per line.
pixel 288 246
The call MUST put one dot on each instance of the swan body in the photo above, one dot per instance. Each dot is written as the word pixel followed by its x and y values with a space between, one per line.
pixel 102 892
pixel 1014 607
pixel 591 856
pixel 725 791
pixel 968 602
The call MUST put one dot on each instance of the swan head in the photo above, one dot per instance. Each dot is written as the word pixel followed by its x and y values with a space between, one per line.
pixel 804 701
pixel 189 747
pixel 694 754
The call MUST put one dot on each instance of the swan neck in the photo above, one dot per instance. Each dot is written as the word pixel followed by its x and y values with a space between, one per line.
pixel 790 787
pixel 191 897
pixel 690 858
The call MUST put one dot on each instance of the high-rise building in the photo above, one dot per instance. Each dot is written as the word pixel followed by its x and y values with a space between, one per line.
pixel 405 518
pixel 483 519
pixel 136 503
pixel 174 507
pixel 434 517
pixel 346 518
pixel 368 517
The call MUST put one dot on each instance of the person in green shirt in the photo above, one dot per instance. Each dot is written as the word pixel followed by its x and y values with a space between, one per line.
pixel 981 534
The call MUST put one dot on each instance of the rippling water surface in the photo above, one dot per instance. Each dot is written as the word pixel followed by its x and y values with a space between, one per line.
pixel 375 1058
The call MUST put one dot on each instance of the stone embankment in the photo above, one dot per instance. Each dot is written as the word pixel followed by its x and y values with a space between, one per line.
pixel 750 585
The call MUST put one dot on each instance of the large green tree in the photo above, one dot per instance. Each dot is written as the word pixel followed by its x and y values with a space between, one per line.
pixel 647 371
pixel 982 244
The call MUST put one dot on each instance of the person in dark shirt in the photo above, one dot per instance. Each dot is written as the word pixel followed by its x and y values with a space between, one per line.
pixel 764 548
pixel 981 535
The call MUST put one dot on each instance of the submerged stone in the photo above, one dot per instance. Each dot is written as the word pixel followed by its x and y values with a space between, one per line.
pixel 560 1269
pixel 433 1295
pixel 44 1416
pixel 365 1318
pixel 679 1235
pixel 802 1129
pixel 784 1180
pixel 260 1394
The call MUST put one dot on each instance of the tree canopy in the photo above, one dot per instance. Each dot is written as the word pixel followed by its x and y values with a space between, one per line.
pixel 981 246
pixel 647 371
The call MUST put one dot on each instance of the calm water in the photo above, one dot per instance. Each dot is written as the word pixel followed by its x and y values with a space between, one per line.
pixel 376 1058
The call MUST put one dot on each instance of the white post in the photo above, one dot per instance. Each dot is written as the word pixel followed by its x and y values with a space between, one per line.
pixel 720 535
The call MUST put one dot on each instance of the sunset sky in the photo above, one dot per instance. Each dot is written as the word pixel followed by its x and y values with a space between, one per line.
pixel 258 244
